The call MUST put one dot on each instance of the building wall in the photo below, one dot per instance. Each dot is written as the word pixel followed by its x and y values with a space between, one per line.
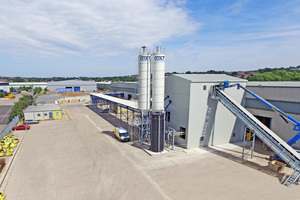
pixel 84 85
pixel 178 90
pixel 278 126
pixel 207 121
pixel 42 85
pixel 128 88
pixel 198 107
pixel 225 122
pixel 285 96
pixel 43 115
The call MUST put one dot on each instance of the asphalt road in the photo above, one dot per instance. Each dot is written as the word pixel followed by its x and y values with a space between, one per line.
pixel 4 114
pixel 79 158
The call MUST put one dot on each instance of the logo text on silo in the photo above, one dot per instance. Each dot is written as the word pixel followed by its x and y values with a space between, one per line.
pixel 159 58
pixel 144 58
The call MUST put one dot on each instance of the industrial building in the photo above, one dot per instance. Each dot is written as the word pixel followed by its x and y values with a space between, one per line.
pixel 285 96
pixel 196 115
pixel 129 90
pixel 72 85
pixel 180 88
pixel 42 112
pixel 42 85
pixel 210 109
pixel 4 87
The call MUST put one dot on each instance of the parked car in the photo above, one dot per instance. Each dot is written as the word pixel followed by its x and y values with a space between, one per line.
pixel 30 122
pixel 106 110
pixel 21 127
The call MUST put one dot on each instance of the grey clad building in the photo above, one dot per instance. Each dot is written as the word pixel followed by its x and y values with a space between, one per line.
pixel 72 85
pixel 285 96
pixel 43 112
pixel 201 120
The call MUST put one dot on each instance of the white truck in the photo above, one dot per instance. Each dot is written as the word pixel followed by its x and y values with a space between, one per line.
pixel 122 134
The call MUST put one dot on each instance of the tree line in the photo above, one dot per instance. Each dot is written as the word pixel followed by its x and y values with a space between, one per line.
pixel 277 75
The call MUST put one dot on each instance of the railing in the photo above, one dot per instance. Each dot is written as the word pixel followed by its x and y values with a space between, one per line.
pixel 9 127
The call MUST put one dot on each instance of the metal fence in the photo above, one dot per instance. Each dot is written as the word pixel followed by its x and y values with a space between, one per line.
pixel 9 127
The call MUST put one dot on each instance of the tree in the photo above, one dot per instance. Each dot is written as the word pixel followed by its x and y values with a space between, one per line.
pixel 37 90
pixel 18 79
pixel 188 72
pixel 12 89
pixel 17 109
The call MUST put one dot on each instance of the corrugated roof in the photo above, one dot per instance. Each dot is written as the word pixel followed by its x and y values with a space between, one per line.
pixel 42 108
pixel 131 104
pixel 206 78
pixel 273 84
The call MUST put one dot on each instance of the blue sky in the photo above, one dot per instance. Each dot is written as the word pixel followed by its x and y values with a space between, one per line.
pixel 102 38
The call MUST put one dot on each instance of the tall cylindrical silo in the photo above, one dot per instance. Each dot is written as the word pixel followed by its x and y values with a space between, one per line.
pixel 158 80
pixel 144 80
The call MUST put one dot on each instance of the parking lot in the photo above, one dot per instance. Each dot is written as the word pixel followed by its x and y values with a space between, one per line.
pixel 79 158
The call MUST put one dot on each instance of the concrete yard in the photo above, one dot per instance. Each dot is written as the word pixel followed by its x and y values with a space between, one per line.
pixel 79 158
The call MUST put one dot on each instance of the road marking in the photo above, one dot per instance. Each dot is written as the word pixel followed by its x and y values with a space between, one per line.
pixel 138 167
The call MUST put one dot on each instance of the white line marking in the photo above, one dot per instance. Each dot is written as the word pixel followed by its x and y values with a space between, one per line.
pixel 138 167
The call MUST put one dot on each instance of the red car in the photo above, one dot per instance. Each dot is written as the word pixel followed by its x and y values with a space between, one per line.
pixel 21 127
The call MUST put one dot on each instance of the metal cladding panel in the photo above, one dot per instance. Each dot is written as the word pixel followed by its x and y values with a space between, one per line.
pixel 84 85
pixel 157 132
pixel 290 94
pixel 178 90
pixel 144 81
pixel 158 82
pixel 29 116
pixel 278 126
pixel 225 121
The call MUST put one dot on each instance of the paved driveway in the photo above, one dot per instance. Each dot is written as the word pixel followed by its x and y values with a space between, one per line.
pixel 79 158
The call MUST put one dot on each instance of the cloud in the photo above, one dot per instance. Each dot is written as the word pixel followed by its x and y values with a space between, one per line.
pixel 96 28
pixel 237 7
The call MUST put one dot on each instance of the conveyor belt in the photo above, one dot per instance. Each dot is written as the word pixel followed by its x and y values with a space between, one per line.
pixel 280 147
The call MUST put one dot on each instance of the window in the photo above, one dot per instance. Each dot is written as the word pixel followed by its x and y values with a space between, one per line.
pixel 168 116
pixel 204 87
pixel 182 135
pixel 38 114
pixel 45 114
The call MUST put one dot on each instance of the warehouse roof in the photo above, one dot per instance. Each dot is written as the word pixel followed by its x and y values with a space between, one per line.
pixel 131 104
pixel 42 108
pixel 273 84
pixel 70 83
pixel 209 78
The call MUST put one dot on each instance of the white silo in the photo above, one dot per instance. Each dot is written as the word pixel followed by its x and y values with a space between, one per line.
pixel 158 95
pixel 144 80
pixel 158 80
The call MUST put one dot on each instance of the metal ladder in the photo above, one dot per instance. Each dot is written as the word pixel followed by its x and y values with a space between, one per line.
pixel 286 152
pixel 292 178
pixel 206 124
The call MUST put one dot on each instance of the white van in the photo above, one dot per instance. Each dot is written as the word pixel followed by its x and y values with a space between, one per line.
pixel 122 134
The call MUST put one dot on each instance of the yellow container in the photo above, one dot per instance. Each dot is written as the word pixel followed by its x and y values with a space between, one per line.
pixel 16 141
pixel 13 145
pixel 10 150
pixel 9 153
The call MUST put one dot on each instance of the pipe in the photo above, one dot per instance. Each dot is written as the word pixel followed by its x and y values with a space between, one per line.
pixel 168 105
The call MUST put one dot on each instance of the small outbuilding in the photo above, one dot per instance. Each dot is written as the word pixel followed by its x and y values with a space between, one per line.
pixel 42 112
